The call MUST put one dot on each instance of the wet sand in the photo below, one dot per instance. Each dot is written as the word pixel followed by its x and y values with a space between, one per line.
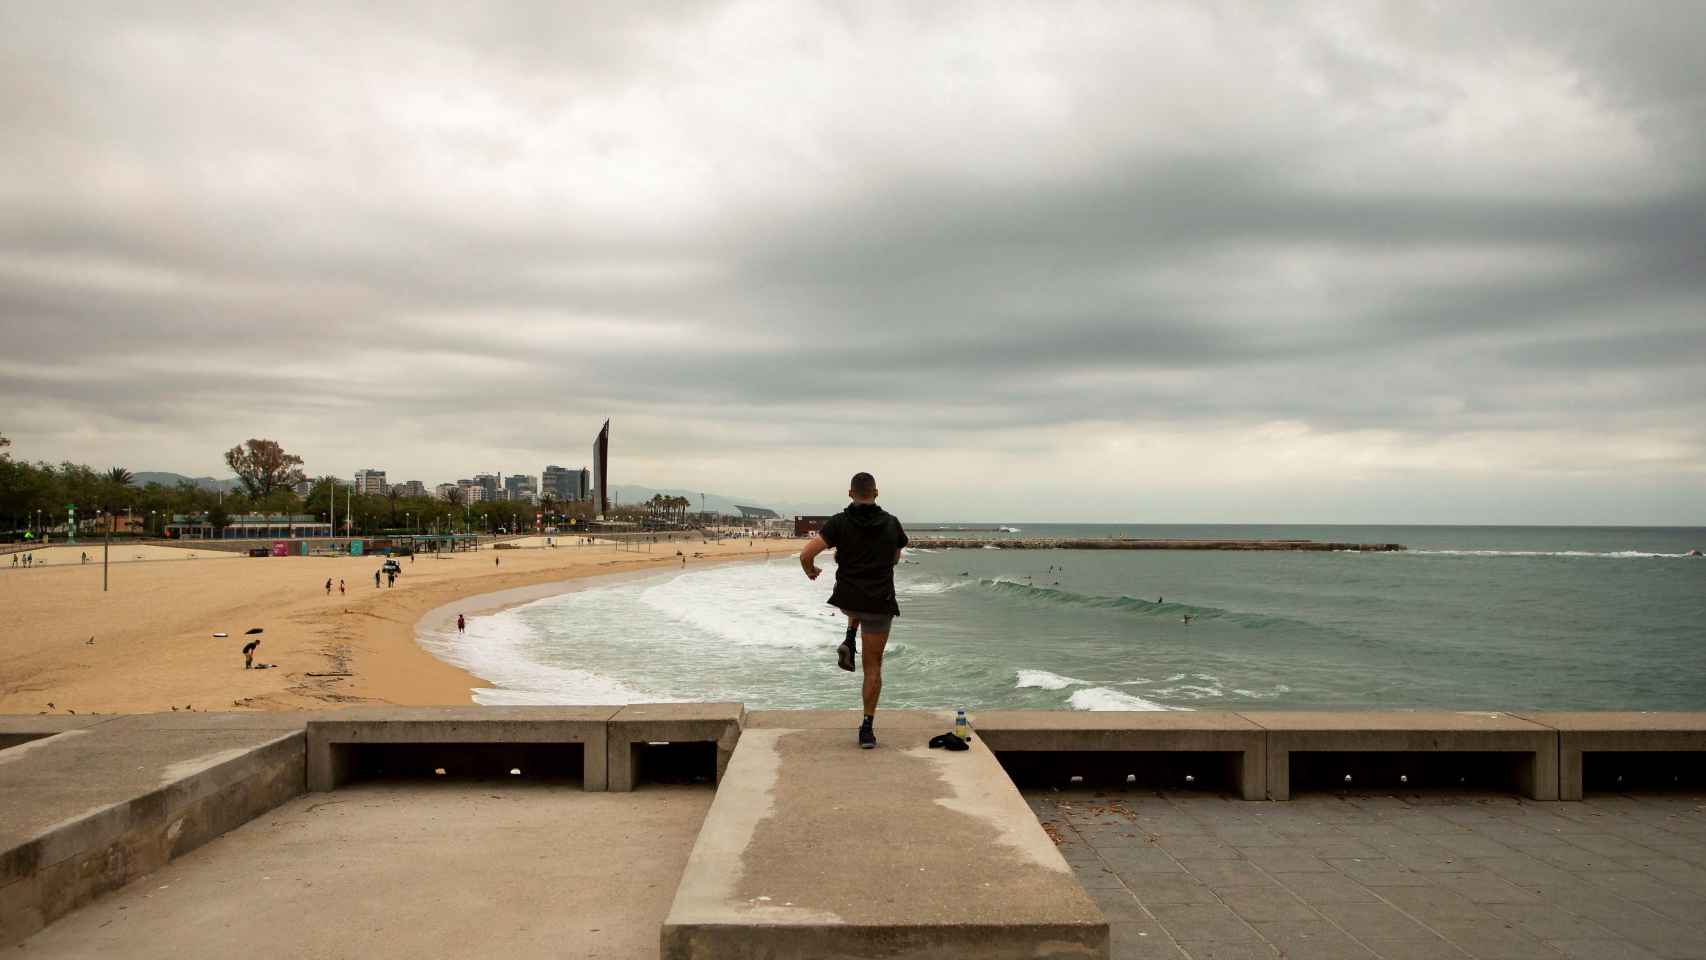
pixel 153 647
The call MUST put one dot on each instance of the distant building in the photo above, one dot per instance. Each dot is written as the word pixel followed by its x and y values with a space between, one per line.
pixel 756 513
pixel 411 488
pixel 303 487
pixel 566 484
pixel 473 491
pixel 491 483
pixel 370 482
pixel 806 526
pixel 248 526
pixel 442 491
pixel 519 487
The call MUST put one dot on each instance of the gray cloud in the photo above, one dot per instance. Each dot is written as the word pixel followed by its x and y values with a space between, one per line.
pixel 1417 247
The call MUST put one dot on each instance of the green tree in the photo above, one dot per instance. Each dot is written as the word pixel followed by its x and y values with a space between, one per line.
pixel 262 466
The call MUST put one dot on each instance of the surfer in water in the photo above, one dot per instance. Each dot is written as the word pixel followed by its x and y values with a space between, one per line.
pixel 867 541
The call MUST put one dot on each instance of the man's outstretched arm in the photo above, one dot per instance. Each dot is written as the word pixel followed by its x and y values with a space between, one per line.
pixel 808 556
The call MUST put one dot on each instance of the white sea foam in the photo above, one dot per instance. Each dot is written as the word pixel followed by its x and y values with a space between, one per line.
pixel 745 605
pixel 927 588
pixel 502 647
pixel 1044 680
pixel 1104 698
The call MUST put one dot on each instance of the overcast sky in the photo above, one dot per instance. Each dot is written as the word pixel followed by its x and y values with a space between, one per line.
pixel 1144 262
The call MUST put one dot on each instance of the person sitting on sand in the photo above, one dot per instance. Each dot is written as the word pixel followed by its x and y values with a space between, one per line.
pixel 249 653
pixel 867 541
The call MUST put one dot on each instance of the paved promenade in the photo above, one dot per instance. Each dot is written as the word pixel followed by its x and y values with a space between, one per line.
pixel 1328 878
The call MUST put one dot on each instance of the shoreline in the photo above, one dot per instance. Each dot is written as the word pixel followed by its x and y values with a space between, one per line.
pixel 148 644
pixel 441 619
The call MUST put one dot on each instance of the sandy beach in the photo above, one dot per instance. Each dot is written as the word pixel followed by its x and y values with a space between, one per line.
pixel 153 647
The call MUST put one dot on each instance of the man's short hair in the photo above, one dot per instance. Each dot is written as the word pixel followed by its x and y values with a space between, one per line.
pixel 863 484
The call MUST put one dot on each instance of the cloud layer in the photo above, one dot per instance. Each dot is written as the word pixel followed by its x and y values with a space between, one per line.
pixel 1085 261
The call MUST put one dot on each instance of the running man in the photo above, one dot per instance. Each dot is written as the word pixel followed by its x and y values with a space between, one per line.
pixel 867 541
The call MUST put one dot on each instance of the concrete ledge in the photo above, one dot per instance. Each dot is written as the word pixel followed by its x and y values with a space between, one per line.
pixel 1139 731
pixel 1618 733
pixel 636 725
pixel 816 849
pixel 334 741
pixel 1532 748
pixel 93 808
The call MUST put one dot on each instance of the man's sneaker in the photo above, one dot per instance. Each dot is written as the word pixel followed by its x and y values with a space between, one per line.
pixel 867 739
pixel 845 655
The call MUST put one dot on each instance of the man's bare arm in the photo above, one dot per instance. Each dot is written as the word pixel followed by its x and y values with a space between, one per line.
pixel 808 556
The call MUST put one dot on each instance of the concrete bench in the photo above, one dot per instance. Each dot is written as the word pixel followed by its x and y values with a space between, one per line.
pixel 1495 746
pixel 1630 744
pixel 353 743
pixel 814 848
pixel 635 729
pixel 1233 749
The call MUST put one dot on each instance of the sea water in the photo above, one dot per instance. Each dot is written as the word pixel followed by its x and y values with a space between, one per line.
pixel 1467 618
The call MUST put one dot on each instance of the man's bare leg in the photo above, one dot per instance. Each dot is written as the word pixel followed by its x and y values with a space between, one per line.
pixel 873 657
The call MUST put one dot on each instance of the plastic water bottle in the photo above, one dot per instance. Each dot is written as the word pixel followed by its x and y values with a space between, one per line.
pixel 962 729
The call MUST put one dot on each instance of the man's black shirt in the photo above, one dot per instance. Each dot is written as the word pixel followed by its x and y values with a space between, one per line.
pixel 865 538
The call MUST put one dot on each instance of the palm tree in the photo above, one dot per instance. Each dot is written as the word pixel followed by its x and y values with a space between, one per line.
pixel 455 497
pixel 121 476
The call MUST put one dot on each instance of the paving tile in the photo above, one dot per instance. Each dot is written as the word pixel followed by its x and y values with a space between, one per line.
pixel 1330 848
pixel 1434 949
pixel 1434 903
pixel 1601 950
pixel 1612 846
pixel 1522 870
pixel 1226 873
pixel 1285 860
pixel 1141 941
pixel 1249 835
pixel 1643 888
pixel 1131 860
pixel 1119 906
pixel 1197 847
pixel 1326 888
pixel 1376 921
pixel 1203 921
pixel 1228 950
pixel 1097 875
pixel 1548 922
pixel 1469 844
pixel 1268 903
pixel 1493 940
pixel 1155 889
pixel 1488 888
pixel 1381 872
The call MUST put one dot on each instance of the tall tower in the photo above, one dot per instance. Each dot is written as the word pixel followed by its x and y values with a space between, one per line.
pixel 601 469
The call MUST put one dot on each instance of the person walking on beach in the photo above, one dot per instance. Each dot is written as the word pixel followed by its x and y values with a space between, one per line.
pixel 340 586
pixel 867 541
pixel 376 579
pixel 461 624
pixel 328 586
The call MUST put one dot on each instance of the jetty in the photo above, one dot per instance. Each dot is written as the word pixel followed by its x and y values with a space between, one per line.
pixel 1114 543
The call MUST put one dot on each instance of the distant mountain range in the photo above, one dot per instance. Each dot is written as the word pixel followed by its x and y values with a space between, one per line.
pixel 146 477
pixel 626 492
